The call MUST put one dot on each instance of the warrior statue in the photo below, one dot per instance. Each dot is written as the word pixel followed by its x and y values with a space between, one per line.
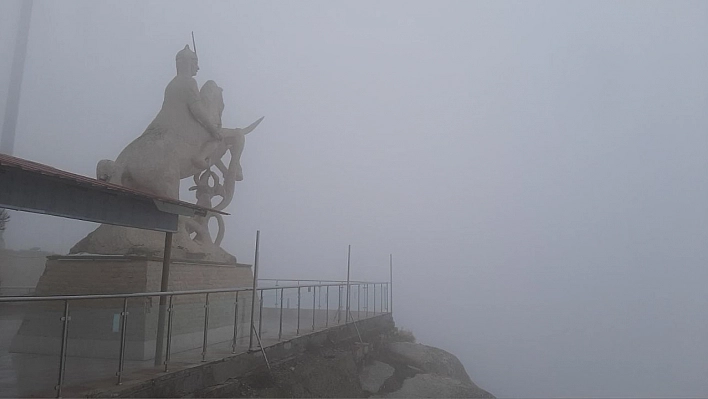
pixel 186 139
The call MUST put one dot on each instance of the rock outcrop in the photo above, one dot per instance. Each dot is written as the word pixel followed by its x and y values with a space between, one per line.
pixel 381 368
pixel 437 386
pixel 423 371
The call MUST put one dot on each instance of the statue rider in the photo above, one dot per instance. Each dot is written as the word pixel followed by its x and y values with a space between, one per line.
pixel 183 108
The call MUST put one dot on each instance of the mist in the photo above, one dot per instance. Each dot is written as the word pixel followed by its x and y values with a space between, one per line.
pixel 537 169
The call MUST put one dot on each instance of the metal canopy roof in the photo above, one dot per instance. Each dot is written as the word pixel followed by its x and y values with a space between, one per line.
pixel 34 187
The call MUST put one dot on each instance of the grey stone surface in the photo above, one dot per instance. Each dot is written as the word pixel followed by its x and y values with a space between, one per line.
pixel 437 386
pixel 429 359
pixel 373 376
pixel 118 240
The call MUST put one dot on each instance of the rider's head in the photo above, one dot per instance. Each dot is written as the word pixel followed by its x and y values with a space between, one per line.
pixel 187 63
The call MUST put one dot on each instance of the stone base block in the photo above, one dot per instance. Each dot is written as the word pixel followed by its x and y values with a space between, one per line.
pixel 95 325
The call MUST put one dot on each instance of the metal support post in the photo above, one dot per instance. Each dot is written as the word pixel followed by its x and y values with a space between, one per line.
pixel 14 90
pixel 276 294
pixel 339 304
pixel 260 316
pixel 381 301
pixel 233 343
pixel 206 328
pixel 123 330
pixel 349 258
pixel 280 328
pixel 367 299
pixel 314 306
pixel 159 342
pixel 358 301
pixel 253 292
pixel 170 311
pixel 298 311
pixel 390 279
pixel 374 299
pixel 327 307
pixel 62 353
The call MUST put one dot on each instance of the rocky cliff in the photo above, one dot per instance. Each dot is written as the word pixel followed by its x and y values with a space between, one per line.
pixel 384 367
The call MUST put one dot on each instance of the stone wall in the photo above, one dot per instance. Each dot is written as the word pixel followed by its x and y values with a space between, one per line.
pixel 94 326
pixel 20 270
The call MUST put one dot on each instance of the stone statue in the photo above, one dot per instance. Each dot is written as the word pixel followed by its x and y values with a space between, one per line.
pixel 183 140
pixel 186 139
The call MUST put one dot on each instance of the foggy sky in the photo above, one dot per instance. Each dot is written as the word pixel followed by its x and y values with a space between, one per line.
pixel 537 169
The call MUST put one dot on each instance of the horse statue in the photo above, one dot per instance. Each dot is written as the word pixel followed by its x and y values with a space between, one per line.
pixel 186 139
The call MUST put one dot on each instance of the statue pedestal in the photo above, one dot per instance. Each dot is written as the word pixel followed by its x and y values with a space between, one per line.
pixel 94 328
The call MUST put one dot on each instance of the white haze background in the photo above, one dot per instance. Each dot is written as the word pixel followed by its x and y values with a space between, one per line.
pixel 537 169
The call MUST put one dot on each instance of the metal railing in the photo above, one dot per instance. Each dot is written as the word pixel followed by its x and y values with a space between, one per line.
pixel 365 292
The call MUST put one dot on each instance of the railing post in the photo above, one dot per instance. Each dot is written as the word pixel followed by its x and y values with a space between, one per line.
pixel 260 316
pixel 382 298
pixel 390 279
pixel 386 296
pixel 123 330
pixel 62 354
pixel 280 328
pixel 298 310
pixel 367 299
pixel 349 258
pixel 314 306
pixel 276 294
pixel 233 343
pixel 253 293
pixel 358 301
pixel 339 304
pixel 170 311
pixel 327 307
pixel 374 299
pixel 206 327
pixel 163 288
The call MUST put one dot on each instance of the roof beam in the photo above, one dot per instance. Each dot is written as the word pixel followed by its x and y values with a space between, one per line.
pixel 34 192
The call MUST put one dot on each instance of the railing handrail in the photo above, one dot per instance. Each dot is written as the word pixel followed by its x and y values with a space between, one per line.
pixel 167 293
pixel 313 280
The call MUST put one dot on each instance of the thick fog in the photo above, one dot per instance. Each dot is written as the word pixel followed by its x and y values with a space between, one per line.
pixel 537 169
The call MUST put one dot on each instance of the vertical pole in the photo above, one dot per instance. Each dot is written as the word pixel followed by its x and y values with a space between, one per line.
pixel 358 301
pixel 367 299
pixel 280 328
pixel 233 343
pixel 386 297
pixel 170 311
pixel 62 354
pixel 12 107
pixel 390 279
pixel 339 303
pixel 327 307
pixel 314 306
pixel 159 342
pixel 349 259
pixel 123 330
pixel 206 327
pixel 276 294
pixel 253 292
pixel 260 316
pixel 374 299
pixel 298 311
